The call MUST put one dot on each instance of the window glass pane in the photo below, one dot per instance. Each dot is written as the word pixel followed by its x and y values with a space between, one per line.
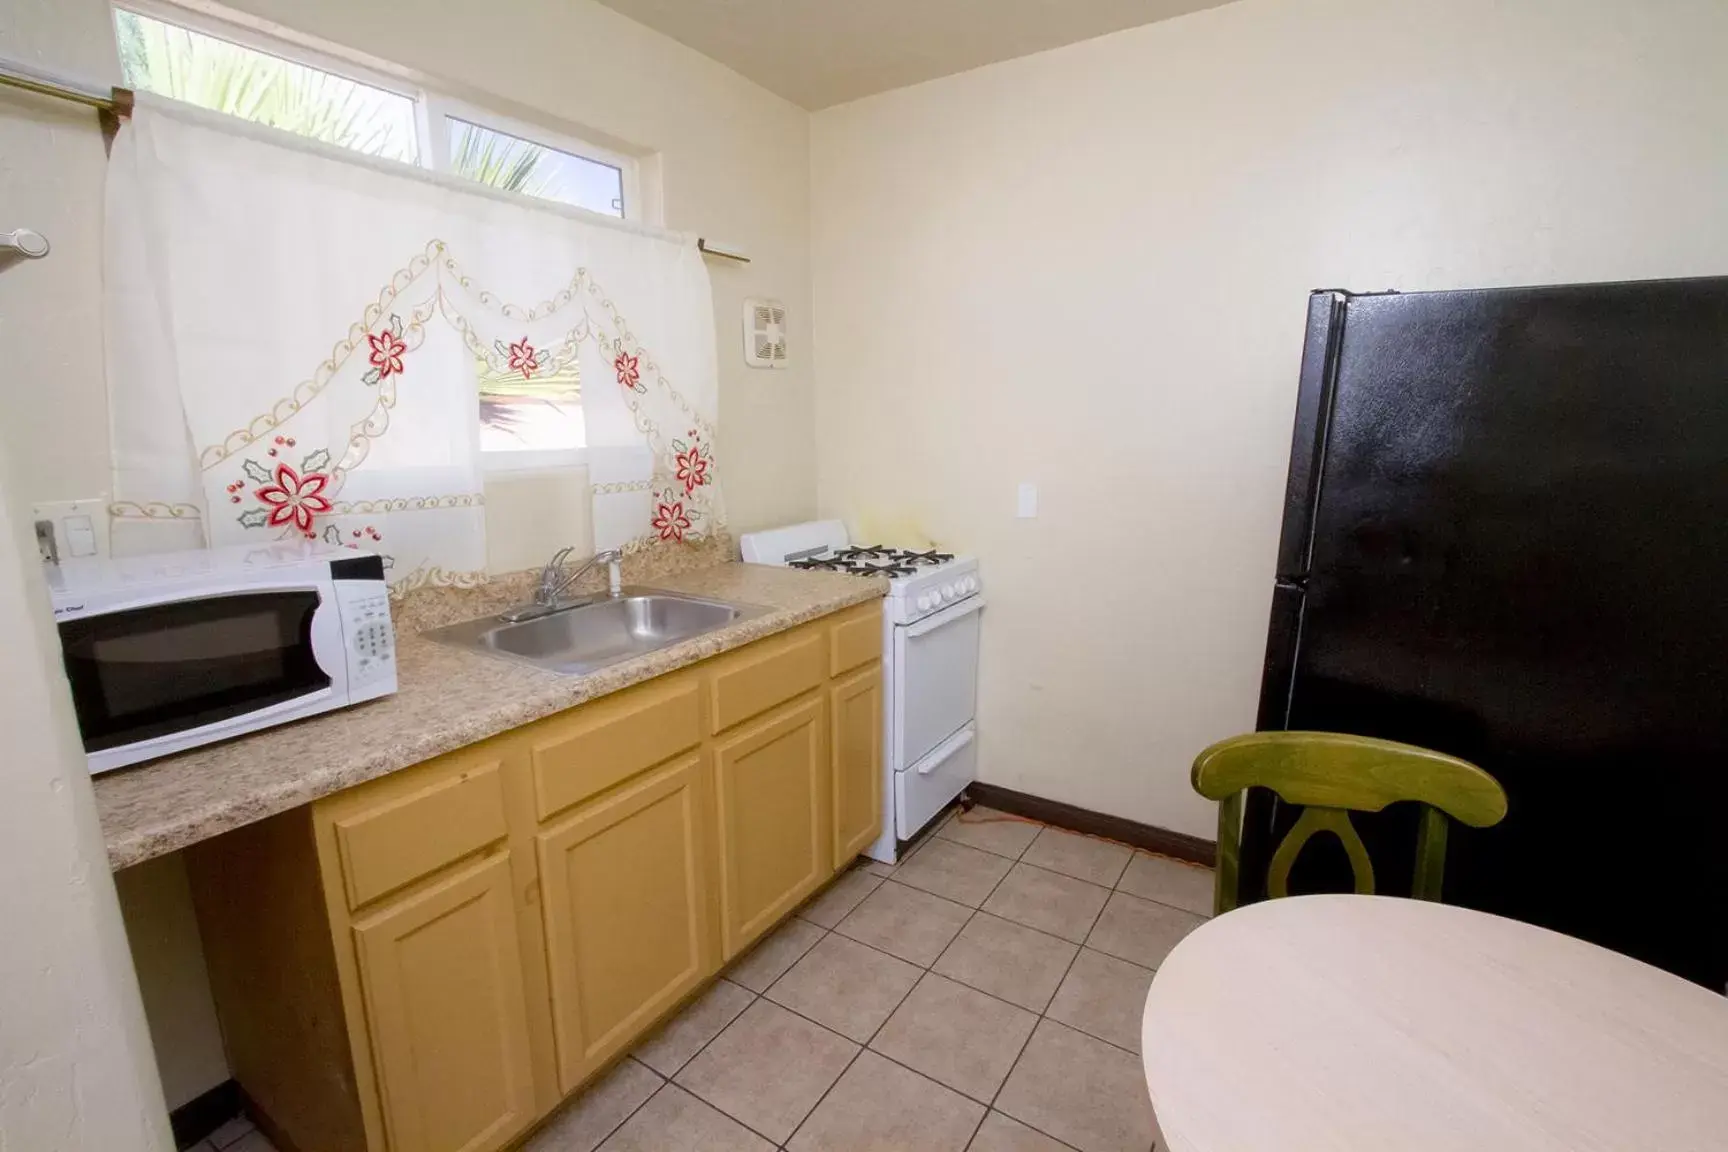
pixel 518 165
pixel 225 77
pixel 540 412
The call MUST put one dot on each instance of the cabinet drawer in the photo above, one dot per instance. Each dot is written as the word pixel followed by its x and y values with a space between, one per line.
pixel 767 674
pixel 855 642
pixel 441 813
pixel 609 741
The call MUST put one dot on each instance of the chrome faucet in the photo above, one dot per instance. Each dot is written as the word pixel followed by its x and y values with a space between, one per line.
pixel 554 580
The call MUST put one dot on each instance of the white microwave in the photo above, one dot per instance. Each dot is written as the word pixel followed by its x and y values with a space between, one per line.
pixel 168 652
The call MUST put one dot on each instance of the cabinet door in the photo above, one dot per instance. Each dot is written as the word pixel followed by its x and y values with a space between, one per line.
pixel 855 712
pixel 775 824
pixel 441 974
pixel 629 928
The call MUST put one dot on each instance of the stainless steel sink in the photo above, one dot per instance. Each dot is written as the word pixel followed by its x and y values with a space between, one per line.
pixel 599 632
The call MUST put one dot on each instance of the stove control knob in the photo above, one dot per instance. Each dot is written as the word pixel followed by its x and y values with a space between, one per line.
pixel 948 592
pixel 924 603
pixel 971 583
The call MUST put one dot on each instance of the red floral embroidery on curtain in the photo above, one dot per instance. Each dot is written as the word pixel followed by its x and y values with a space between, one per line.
pixel 671 521
pixel 388 349
pixel 629 372
pixel 294 498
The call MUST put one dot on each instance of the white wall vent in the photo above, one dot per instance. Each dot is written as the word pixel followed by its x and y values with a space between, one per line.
pixel 765 333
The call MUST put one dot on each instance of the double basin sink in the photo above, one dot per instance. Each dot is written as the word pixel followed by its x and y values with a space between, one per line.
pixel 590 634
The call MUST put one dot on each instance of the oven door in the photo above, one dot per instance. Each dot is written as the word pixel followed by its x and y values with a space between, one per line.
pixel 934 681
pixel 156 678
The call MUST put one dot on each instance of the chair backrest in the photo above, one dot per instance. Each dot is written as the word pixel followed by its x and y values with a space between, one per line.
pixel 1331 774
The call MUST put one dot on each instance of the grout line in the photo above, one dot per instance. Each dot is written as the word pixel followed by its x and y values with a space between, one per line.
pixel 613 1131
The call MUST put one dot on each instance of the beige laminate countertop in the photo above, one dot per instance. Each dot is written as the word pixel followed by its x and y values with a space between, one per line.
pixel 446 698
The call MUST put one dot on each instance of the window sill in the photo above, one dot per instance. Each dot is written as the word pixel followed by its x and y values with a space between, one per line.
pixel 532 461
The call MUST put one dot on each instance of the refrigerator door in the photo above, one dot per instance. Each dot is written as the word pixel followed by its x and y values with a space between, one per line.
pixel 1516 554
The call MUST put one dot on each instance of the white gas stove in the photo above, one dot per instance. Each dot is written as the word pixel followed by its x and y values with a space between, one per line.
pixel 930 622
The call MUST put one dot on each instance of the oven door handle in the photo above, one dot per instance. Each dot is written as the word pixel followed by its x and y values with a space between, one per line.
pixel 946 616
pixel 942 755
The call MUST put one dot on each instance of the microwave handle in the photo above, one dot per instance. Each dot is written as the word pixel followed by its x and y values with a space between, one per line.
pixel 329 647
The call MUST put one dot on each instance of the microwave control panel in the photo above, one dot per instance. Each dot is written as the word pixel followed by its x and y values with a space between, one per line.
pixel 371 639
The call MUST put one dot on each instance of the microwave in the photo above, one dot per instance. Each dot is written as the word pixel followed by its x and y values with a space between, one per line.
pixel 171 651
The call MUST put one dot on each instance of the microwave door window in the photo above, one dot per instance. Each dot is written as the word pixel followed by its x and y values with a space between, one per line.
pixel 151 672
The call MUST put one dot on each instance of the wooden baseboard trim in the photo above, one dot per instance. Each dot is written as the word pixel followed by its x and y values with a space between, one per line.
pixel 205 1113
pixel 1148 836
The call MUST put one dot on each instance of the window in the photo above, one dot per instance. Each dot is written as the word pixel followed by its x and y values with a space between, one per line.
pixel 228 68
pixel 518 165
pixel 163 58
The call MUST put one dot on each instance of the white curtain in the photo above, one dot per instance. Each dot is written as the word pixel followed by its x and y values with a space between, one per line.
pixel 295 335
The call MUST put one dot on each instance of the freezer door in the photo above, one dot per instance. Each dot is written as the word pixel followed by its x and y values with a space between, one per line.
pixel 1516 556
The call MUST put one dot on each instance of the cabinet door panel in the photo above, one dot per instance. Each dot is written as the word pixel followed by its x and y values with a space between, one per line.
pixel 775 824
pixel 855 712
pixel 626 904
pixel 441 974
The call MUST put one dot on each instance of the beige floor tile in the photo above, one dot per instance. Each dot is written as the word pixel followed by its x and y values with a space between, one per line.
pixel 1080 1090
pixel 671 1047
pixel 842 896
pixel 999 1133
pixel 768 961
pixel 231 1131
pixel 675 1121
pixel 768 1069
pixel 1142 931
pixel 845 986
pixel 877 868
pixel 1082 857
pixel 253 1141
pixel 1019 964
pixel 1104 997
pixel 905 922
pixel 584 1122
pixel 879 1106
pixel 1048 901
pixel 991 830
pixel 956 1035
pixel 1174 882
pixel 964 875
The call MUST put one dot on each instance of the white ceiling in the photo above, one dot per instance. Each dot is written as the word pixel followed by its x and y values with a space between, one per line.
pixel 821 52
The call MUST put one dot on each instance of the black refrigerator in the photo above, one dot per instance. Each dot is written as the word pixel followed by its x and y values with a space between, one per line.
pixel 1506 537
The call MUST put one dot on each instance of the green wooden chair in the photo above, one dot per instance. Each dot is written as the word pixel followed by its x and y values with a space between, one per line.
pixel 1330 775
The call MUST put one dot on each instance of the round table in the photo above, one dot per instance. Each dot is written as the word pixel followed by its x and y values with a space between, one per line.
pixel 1372 1024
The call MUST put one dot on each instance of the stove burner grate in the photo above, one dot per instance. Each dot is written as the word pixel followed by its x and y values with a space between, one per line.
pixel 872 552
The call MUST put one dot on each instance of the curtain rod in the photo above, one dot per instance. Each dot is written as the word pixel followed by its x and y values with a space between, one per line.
pixel 16 74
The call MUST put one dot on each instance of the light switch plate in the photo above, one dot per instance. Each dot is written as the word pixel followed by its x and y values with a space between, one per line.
pixel 80 526
pixel 1026 505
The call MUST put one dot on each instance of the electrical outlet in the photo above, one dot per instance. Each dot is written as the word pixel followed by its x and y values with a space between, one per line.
pixel 1026 500
pixel 80 527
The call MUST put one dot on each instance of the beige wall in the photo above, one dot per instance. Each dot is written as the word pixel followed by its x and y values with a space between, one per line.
pixel 75 1061
pixel 1087 269
pixel 727 160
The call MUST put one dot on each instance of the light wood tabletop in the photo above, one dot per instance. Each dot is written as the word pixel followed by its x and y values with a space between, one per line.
pixel 1367 1023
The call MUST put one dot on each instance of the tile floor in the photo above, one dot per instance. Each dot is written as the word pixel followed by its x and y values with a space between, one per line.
pixel 237 1135
pixel 983 996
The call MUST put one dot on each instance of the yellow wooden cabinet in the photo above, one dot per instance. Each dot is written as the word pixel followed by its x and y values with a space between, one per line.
pixel 448 952
pixel 773 786
pixel 855 736
pixel 629 929
pixel 441 976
